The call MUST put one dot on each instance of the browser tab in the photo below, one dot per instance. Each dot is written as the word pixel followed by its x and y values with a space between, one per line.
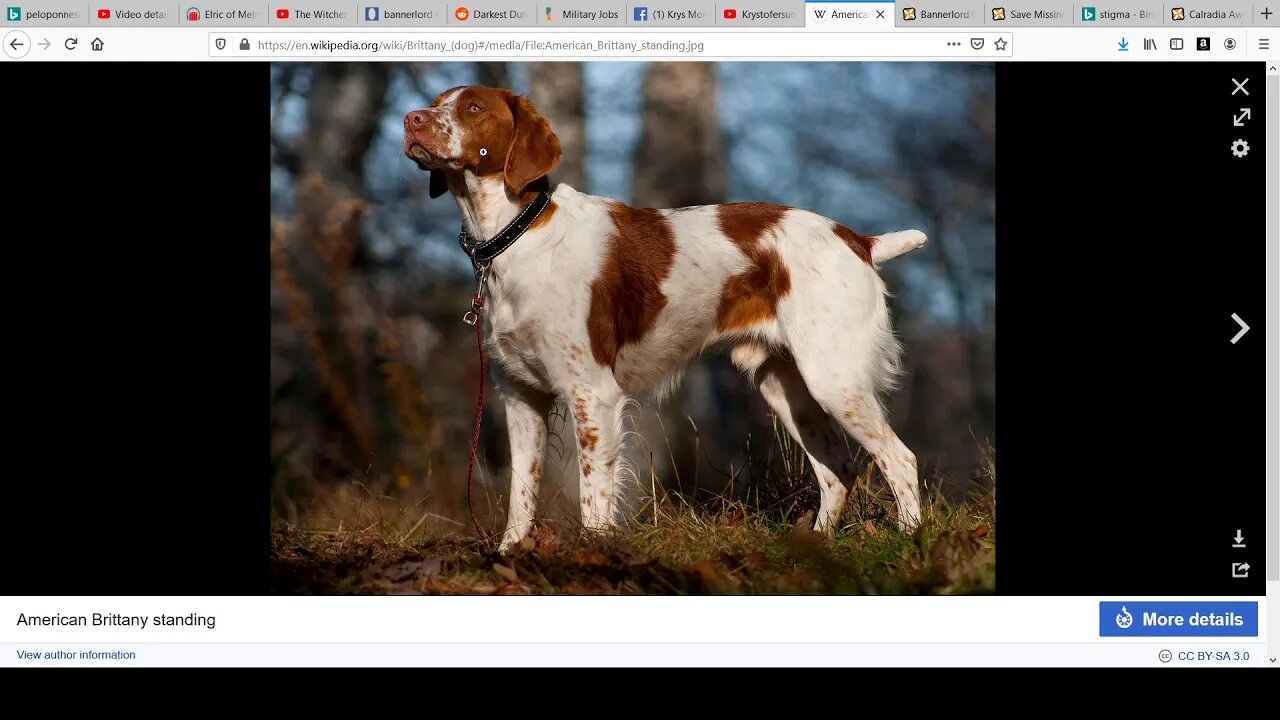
pixel 1029 14
pixel 1116 14
pixel 915 13
pixel 491 13
pixel 138 13
pixel 48 13
pixel 760 13
pixel 223 13
pixel 1207 14
pixel 401 13
pixel 307 13
pixel 669 15
pixel 581 13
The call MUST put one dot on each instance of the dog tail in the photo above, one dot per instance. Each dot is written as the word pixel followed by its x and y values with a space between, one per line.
pixel 890 245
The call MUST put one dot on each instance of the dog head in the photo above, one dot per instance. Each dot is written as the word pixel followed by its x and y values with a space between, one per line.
pixel 486 131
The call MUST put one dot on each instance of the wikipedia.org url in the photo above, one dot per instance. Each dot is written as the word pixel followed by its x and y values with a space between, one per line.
pixel 478 47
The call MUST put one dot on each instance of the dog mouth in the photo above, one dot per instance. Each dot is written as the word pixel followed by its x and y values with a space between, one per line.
pixel 422 157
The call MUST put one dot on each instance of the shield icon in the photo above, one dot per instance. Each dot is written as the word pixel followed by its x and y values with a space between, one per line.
pixel 220 43
pixel 976 43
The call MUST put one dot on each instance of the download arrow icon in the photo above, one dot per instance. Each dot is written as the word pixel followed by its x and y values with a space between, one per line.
pixel 1239 537
pixel 1245 114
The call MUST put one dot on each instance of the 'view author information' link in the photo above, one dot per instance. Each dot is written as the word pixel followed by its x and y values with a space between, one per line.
pixel 478 47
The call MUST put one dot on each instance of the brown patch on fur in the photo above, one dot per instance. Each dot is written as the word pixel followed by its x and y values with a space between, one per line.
pixel 535 468
pixel 626 296
pixel 588 438
pixel 751 297
pixel 746 223
pixel 859 244
pixel 544 218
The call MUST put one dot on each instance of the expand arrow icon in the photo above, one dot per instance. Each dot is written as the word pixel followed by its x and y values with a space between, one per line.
pixel 1243 329
pixel 1245 114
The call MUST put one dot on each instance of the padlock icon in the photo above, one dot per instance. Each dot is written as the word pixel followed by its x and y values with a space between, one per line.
pixel 244 43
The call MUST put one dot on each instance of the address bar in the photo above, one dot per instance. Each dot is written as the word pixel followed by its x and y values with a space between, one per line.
pixel 615 45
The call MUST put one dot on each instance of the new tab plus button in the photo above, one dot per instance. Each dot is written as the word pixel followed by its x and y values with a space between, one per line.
pixel 1178 619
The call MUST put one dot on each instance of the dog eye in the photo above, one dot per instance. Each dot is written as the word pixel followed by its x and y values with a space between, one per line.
pixel 474 108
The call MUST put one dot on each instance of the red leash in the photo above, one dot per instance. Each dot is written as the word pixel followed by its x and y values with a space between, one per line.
pixel 473 318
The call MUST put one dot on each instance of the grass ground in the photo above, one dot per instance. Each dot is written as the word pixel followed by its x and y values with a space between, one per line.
pixel 725 550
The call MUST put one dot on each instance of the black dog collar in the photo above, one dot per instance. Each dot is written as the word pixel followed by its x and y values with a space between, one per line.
pixel 483 253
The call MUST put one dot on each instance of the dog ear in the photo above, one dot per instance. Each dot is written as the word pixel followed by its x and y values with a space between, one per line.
pixel 534 151
pixel 438 185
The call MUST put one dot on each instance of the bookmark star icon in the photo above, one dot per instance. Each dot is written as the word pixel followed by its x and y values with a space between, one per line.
pixel 1001 44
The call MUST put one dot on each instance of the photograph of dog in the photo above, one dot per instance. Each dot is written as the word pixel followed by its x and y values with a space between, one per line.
pixel 633 242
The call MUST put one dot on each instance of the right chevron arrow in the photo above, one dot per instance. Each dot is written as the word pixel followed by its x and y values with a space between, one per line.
pixel 1243 329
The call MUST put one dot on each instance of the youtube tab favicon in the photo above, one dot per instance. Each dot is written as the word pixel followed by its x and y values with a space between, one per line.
pixel 730 14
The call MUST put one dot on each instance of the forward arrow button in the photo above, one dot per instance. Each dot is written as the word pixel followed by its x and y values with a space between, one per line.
pixel 1243 328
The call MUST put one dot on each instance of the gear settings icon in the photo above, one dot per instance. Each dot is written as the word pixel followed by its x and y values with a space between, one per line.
pixel 1240 148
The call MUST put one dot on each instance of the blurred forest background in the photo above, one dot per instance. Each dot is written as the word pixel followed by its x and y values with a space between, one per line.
pixel 373 375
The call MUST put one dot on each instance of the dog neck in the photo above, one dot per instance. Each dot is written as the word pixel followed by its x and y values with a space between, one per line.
pixel 486 203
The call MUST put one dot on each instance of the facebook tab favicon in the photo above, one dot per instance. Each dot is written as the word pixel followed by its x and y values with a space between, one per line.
pixel 640 14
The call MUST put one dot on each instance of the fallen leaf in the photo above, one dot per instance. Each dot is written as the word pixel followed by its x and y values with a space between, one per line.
pixel 869 527
pixel 981 531
pixel 507 573
pixel 710 573
pixel 527 544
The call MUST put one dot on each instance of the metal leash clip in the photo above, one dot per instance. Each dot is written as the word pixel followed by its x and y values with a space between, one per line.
pixel 477 303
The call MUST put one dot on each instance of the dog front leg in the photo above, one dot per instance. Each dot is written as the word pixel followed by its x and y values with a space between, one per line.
pixel 527 428
pixel 599 443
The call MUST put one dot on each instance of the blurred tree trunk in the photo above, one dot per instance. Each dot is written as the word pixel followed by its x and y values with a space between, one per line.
pixel 679 160
pixel 556 89
pixel 493 74
pixel 323 245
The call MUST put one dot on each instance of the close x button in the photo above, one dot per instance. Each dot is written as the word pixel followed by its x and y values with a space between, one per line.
pixel 1178 619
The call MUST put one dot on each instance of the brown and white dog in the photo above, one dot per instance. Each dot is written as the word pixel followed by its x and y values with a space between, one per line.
pixel 599 303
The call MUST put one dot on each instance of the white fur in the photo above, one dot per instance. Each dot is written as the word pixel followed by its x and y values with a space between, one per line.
pixel 824 357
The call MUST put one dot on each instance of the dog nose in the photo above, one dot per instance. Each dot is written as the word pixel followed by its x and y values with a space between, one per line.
pixel 414 119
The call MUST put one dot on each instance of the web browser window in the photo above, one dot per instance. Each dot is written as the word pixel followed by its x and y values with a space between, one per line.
pixel 645 333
